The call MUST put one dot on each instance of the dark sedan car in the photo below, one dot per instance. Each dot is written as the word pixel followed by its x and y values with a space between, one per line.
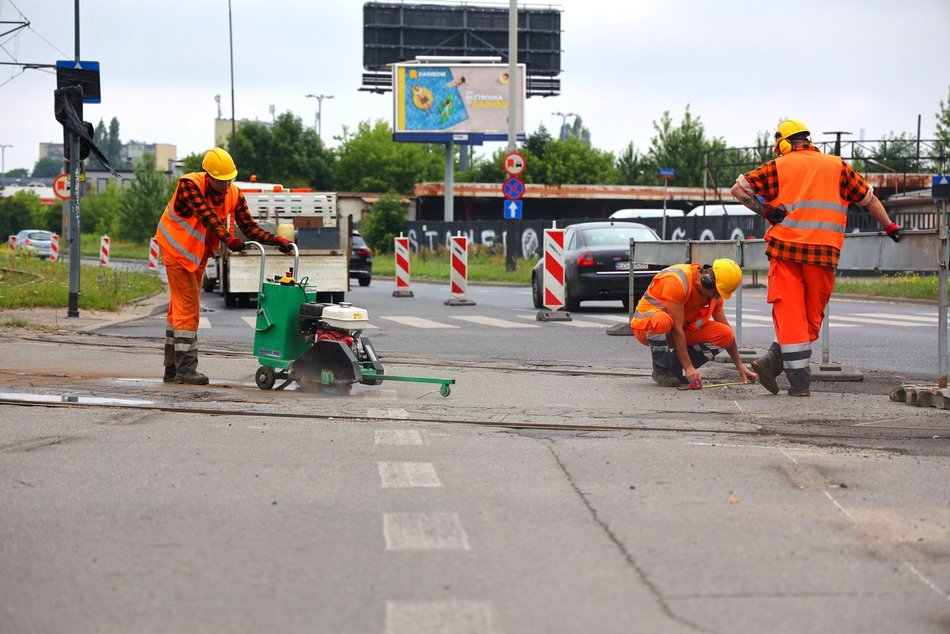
pixel 361 260
pixel 597 264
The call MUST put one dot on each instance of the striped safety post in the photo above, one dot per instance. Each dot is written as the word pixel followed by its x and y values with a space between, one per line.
pixel 152 254
pixel 458 271
pixel 553 290
pixel 11 242
pixel 401 248
pixel 104 251
pixel 54 248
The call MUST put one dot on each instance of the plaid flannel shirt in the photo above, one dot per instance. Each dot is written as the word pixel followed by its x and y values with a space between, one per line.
pixel 764 182
pixel 192 202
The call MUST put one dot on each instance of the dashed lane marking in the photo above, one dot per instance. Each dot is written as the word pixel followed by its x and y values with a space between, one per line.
pixel 398 437
pixel 408 475
pixel 493 322
pixel 416 322
pixel 424 531
pixel 437 617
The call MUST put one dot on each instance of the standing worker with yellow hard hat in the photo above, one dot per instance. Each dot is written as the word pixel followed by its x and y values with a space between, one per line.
pixel 196 218
pixel 805 195
pixel 681 318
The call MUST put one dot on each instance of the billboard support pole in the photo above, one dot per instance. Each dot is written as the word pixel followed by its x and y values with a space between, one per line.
pixel 449 194
pixel 513 84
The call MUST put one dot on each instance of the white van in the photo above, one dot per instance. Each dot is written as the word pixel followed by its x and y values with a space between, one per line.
pixel 721 210
pixel 634 214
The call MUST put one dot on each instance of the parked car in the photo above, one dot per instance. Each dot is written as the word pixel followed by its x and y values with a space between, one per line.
pixel 361 260
pixel 35 241
pixel 597 264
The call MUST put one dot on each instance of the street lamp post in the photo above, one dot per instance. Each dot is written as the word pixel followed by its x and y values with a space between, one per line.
pixel 3 165
pixel 564 116
pixel 317 120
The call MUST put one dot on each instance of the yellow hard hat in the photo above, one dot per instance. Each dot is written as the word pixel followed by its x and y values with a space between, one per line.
pixel 728 276
pixel 785 129
pixel 219 165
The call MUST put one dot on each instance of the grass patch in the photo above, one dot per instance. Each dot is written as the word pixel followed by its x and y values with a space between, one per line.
pixel 121 249
pixel 913 286
pixel 30 283
pixel 484 265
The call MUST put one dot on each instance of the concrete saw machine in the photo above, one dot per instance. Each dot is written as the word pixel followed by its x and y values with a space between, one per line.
pixel 313 344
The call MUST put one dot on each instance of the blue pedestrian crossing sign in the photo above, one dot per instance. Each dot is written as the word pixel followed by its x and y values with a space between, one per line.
pixel 941 188
pixel 513 209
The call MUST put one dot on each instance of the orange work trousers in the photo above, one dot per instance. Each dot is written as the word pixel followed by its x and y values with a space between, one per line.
pixel 660 323
pixel 184 287
pixel 799 294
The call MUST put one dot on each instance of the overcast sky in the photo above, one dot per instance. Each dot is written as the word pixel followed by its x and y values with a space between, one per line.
pixel 871 65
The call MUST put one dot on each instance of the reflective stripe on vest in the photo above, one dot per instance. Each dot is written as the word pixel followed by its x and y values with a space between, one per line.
pixel 185 238
pixel 810 193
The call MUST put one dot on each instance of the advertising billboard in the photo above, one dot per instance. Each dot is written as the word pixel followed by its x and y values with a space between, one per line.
pixel 464 103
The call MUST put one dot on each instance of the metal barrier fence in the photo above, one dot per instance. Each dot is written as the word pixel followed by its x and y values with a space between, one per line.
pixel 926 251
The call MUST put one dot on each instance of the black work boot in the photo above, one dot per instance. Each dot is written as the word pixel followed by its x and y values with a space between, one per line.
pixel 169 376
pixel 667 371
pixel 186 360
pixel 768 367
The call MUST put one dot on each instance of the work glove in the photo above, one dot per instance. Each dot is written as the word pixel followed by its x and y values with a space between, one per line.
pixel 235 244
pixel 774 215
pixel 893 231
pixel 283 244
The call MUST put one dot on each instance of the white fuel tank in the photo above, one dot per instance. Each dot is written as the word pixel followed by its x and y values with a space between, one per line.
pixel 345 316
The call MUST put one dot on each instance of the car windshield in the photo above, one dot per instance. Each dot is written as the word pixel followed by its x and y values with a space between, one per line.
pixel 617 236
pixel 358 241
pixel 39 235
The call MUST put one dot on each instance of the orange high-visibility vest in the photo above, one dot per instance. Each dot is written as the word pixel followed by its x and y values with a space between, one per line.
pixel 657 295
pixel 184 238
pixel 809 191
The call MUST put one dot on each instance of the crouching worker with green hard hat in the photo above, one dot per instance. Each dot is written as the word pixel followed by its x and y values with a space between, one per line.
pixel 195 222
pixel 681 318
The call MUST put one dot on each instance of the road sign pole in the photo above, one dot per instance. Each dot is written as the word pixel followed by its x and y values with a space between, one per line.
pixel 72 309
pixel 513 84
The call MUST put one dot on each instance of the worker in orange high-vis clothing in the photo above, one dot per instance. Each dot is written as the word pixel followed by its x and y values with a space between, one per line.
pixel 805 195
pixel 196 218
pixel 681 318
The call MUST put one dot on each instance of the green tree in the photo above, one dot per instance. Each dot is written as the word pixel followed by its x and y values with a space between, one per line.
pixel 100 211
pixel 683 148
pixel 631 166
pixel 17 172
pixel 943 134
pixel 370 161
pixel 47 168
pixel 386 220
pixel 113 147
pixel 16 213
pixel 572 161
pixel 285 152
pixel 143 201
pixel 192 163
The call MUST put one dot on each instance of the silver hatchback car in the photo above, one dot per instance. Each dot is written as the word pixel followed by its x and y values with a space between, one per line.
pixel 35 241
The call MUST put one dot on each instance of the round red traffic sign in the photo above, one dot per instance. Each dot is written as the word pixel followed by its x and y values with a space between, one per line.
pixel 61 186
pixel 514 163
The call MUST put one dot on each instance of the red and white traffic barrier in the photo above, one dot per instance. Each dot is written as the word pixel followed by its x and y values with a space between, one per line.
pixel 54 248
pixel 553 289
pixel 104 251
pixel 401 248
pixel 152 254
pixel 458 275
pixel 11 242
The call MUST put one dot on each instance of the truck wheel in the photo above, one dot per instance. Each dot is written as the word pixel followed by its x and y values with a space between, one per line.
pixel 364 281
pixel 207 285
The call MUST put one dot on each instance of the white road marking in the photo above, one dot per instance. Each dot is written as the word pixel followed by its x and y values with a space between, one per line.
pixel 408 475
pixel 204 323
pixel 574 322
pixel 416 322
pixel 491 321
pixel 424 531
pixel 398 437
pixel 440 617
pixel 868 320
pixel 389 412
pixel 921 318
pixel 250 321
